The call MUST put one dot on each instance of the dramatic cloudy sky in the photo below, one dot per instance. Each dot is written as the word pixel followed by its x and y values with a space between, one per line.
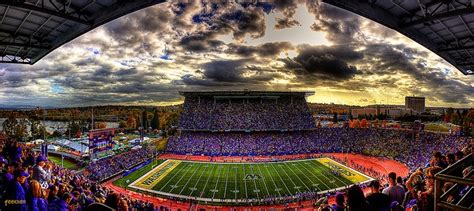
pixel 148 56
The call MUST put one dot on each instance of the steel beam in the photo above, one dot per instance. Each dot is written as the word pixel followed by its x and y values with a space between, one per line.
pixel 456 48
pixel 453 13
pixel 3 43
pixel 45 11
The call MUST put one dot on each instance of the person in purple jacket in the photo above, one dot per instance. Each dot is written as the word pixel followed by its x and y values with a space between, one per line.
pixel 15 195
pixel 61 204
pixel 35 197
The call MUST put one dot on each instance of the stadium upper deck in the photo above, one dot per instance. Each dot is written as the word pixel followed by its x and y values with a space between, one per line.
pixel 245 111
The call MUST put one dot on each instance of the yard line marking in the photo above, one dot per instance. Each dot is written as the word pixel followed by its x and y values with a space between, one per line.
pixel 289 192
pixel 276 187
pixel 208 176
pixel 217 182
pixel 182 176
pixel 235 191
pixel 192 175
pixel 195 185
pixel 245 183
pixel 315 176
pixel 263 178
pixel 226 178
pixel 172 178
pixel 295 175
pixel 255 183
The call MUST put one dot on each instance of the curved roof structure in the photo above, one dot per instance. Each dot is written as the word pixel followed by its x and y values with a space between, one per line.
pixel 446 27
pixel 30 29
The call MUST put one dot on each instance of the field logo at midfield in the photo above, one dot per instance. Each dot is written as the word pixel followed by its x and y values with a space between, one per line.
pixel 252 177
pixel 152 178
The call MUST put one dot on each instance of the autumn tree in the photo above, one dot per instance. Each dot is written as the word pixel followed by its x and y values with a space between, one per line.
pixel 155 122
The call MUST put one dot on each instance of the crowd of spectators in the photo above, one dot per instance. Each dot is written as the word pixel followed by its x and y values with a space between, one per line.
pixel 415 192
pixel 105 168
pixel 282 113
pixel 410 148
pixel 28 181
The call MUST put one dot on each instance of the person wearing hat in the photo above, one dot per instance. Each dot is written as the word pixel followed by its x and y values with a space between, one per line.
pixel 376 199
pixel 15 196
pixel 40 174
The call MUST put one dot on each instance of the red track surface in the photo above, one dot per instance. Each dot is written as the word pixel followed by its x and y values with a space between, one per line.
pixel 381 165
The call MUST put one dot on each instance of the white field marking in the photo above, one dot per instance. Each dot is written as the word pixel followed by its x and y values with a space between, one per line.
pixel 263 178
pixel 182 176
pixel 277 189
pixel 311 172
pixel 208 176
pixel 189 179
pixel 226 178
pixel 172 178
pixel 217 182
pixel 295 186
pixel 289 192
pixel 236 175
pixel 195 185
pixel 245 183
pixel 309 178
pixel 255 183
pixel 309 189
pixel 244 200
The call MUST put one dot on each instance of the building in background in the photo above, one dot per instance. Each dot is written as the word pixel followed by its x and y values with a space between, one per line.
pixel 415 103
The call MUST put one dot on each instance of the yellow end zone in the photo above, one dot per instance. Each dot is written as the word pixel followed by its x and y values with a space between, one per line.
pixel 345 172
pixel 149 180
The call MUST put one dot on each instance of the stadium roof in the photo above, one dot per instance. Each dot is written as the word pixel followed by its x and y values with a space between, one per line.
pixel 244 92
pixel 30 29
pixel 446 27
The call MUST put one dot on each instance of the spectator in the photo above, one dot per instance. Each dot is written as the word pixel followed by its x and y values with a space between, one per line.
pixel 377 200
pixel 355 199
pixel 40 174
pixel 339 206
pixel 15 194
pixel 61 204
pixel 401 183
pixel 35 199
pixel 394 192
pixel 451 158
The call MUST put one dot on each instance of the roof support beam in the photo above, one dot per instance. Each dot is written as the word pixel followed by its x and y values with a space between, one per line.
pixel 26 45
pixel 465 63
pixel 456 48
pixel 45 11
pixel 453 13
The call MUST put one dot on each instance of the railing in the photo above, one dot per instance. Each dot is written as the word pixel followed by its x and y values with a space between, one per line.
pixel 452 199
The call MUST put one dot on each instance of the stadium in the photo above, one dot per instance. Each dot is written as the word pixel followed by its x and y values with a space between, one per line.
pixel 328 105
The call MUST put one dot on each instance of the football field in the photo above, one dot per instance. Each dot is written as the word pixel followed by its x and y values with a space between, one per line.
pixel 238 182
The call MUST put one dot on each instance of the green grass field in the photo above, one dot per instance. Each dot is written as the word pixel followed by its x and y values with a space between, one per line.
pixel 230 182
pixel 57 160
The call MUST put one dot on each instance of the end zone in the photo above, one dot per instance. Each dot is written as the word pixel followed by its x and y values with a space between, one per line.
pixel 150 179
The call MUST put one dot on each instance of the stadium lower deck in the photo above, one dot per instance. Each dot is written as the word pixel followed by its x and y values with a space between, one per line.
pixel 241 183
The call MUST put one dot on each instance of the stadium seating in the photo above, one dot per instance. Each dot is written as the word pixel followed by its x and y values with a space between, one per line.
pixel 285 113
pixel 397 144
